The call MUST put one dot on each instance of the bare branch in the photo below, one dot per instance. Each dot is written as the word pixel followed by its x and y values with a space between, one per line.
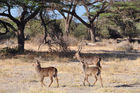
pixel 32 15
pixel 44 25
pixel 9 13
pixel 23 13
pixel 74 14
pixel 62 13
pixel 86 7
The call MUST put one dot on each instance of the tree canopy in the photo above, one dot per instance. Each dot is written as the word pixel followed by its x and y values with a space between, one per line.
pixel 124 15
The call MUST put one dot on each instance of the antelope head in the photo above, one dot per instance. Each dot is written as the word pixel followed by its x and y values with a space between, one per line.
pixel 37 63
pixel 77 54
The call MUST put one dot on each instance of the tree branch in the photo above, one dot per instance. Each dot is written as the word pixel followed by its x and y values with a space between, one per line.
pixel 75 15
pixel 5 24
pixel 44 25
pixel 87 11
pixel 32 15
pixel 23 13
pixel 9 13
pixel 62 14
pixel 102 10
pixel 6 28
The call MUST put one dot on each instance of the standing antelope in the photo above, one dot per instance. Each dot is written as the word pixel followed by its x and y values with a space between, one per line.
pixel 50 72
pixel 90 60
pixel 91 71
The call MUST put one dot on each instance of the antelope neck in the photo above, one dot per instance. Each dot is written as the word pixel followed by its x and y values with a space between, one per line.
pixel 84 66
pixel 78 57
pixel 38 68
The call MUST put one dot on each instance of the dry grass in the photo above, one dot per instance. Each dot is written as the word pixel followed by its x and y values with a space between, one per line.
pixel 43 90
pixel 124 46
pixel 2 91
pixel 121 72
pixel 4 72
pixel 115 73
pixel 116 90
pixel 70 68
pixel 17 75
pixel 124 66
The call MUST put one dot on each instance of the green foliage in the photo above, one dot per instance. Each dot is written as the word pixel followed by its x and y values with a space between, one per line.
pixel 127 5
pixel 80 31
pixel 103 33
pixel 33 28
pixel 102 27
pixel 11 33
pixel 138 26
pixel 73 25
pixel 125 19
pixel 121 18
pixel 8 35
pixel 54 28
pixel 106 15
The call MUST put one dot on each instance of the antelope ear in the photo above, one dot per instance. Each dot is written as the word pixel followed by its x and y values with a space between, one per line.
pixel 37 62
pixel 82 62
pixel 78 52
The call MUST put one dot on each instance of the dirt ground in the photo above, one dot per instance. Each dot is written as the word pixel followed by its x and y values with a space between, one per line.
pixel 20 77
pixel 17 75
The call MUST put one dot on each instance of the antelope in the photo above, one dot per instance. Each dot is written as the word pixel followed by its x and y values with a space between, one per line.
pixel 50 72
pixel 93 60
pixel 91 71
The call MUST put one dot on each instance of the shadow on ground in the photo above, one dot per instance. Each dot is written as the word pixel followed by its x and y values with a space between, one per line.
pixel 45 55
pixel 130 55
pixel 128 85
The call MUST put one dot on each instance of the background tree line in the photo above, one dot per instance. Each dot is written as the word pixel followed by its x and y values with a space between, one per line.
pixel 104 19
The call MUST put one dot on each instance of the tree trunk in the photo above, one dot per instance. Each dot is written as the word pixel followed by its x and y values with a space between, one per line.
pixel 20 37
pixel 92 33
pixel 67 25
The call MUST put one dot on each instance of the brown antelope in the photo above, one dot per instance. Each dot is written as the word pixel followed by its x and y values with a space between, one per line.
pixel 90 60
pixel 50 72
pixel 91 71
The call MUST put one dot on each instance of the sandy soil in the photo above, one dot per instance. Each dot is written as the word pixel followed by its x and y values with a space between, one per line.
pixel 20 77
pixel 17 75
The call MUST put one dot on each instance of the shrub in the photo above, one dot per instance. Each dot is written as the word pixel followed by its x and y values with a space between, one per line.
pixel 70 40
pixel 81 32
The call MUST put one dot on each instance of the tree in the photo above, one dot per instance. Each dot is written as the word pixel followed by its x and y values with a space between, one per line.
pixel 126 15
pixel 69 6
pixel 29 10
pixel 52 32
pixel 98 6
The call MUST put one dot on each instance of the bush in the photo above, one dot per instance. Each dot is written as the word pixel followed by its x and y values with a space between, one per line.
pixel 8 35
pixel 70 40
pixel 81 32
